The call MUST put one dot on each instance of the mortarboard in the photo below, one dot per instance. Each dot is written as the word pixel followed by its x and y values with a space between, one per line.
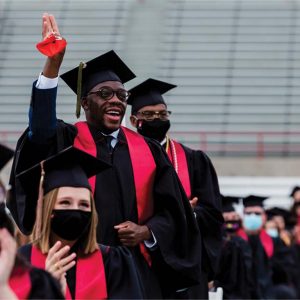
pixel 70 167
pixel 148 92
pixel 295 189
pixel 5 155
pixel 277 211
pixel 106 67
pixel 227 203
pixel 253 200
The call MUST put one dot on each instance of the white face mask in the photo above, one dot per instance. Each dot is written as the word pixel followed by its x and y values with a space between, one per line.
pixel 252 221
pixel 272 232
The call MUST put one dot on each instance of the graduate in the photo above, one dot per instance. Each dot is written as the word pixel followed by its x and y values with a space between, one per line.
pixel 234 272
pixel 272 260
pixel 140 201
pixel 18 279
pixel 150 116
pixel 64 234
pixel 280 217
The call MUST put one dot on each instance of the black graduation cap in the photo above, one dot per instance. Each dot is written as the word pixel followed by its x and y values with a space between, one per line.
pixel 294 190
pixel 253 200
pixel 5 155
pixel 106 67
pixel 70 167
pixel 227 203
pixel 148 92
pixel 277 211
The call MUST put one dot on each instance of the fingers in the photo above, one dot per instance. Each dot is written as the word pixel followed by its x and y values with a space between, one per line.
pixel 122 225
pixel 46 27
pixel 193 202
pixel 49 26
pixel 57 263
pixel 53 24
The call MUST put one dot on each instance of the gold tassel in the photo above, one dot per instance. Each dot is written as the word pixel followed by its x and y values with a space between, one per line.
pixel 39 206
pixel 82 65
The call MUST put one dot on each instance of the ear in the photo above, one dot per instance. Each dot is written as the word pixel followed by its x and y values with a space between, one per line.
pixel 85 103
pixel 133 121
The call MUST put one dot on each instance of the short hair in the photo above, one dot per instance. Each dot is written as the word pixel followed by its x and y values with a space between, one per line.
pixel 88 241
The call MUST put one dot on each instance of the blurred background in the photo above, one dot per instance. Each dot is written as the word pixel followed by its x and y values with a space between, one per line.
pixel 236 64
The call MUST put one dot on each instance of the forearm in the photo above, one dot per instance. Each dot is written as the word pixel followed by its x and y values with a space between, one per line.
pixel 42 114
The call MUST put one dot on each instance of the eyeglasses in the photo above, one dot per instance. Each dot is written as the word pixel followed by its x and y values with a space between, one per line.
pixel 107 93
pixel 151 115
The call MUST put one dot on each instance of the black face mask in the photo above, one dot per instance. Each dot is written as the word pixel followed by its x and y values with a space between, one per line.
pixel 232 226
pixel 70 224
pixel 156 129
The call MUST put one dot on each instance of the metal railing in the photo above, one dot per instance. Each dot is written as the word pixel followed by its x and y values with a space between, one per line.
pixel 238 143
pixel 230 143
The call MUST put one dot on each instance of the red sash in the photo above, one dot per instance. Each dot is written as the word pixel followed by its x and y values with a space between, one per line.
pixel 179 158
pixel 143 166
pixel 265 239
pixel 85 142
pixel 20 282
pixel 90 275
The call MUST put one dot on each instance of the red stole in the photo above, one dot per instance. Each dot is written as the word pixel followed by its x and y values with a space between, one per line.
pixel 178 158
pixel 90 275
pixel 143 166
pixel 265 239
pixel 85 142
pixel 20 282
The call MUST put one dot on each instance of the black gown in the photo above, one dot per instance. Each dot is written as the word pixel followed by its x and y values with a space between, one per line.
pixel 208 212
pixel 173 222
pixel 283 263
pixel 234 272
pixel 122 278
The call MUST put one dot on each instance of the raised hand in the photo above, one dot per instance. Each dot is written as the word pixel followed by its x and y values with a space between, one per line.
pixel 58 262
pixel 52 45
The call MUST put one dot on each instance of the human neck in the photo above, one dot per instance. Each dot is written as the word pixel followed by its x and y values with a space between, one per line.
pixel 55 238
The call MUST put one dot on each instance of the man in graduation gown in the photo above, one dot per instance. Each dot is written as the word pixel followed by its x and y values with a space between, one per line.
pixel 150 115
pixel 234 272
pixel 271 258
pixel 140 201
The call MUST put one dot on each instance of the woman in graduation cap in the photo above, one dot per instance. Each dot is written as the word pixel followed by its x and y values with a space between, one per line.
pixel 18 279
pixel 140 201
pixel 64 234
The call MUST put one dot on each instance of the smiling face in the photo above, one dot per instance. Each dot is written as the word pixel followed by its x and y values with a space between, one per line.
pixel 105 115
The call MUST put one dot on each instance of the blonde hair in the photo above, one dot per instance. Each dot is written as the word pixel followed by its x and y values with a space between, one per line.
pixel 41 239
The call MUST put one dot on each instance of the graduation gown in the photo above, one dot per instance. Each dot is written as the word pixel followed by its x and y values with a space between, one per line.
pixel 295 250
pixel 29 282
pixel 234 273
pixel 122 280
pixel 172 223
pixel 203 183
